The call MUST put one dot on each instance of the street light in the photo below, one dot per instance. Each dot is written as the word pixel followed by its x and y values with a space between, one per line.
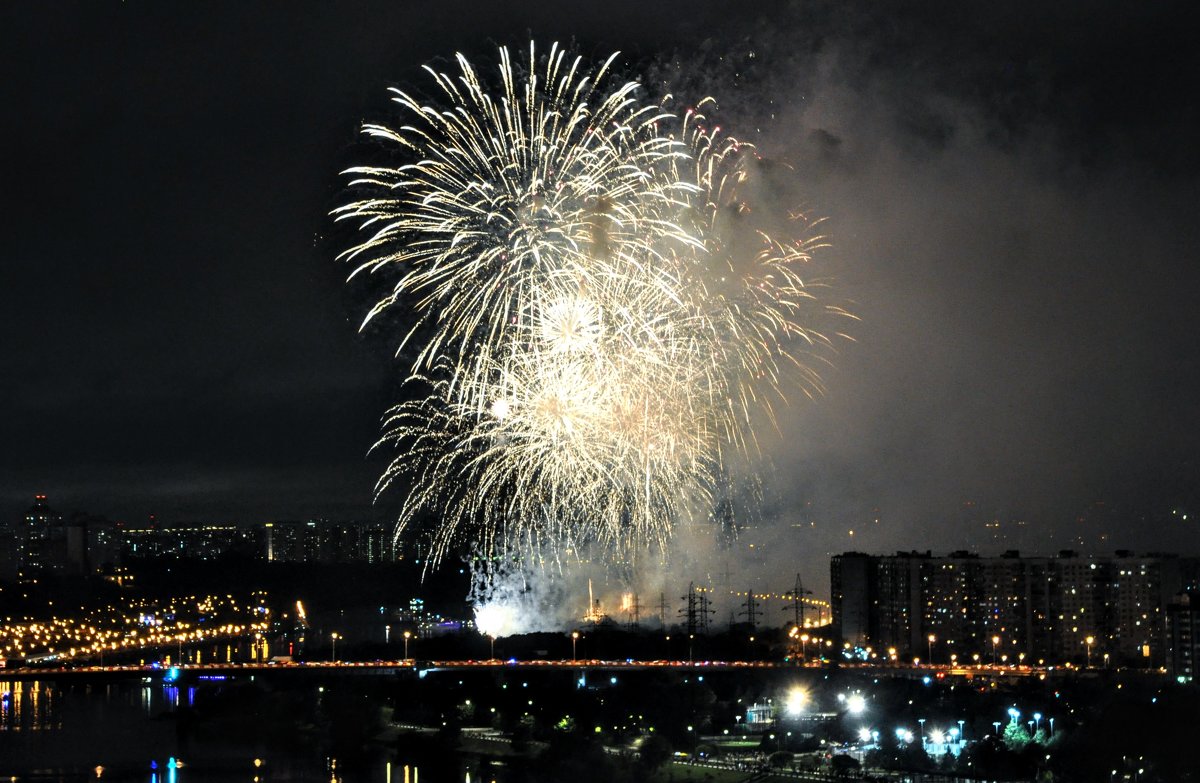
pixel 995 644
pixel 407 636
pixel 932 639
pixel 1037 720
pixel 1089 641
pixel 961 733
pixel 334 637
pixel 804 646
pixel 387 634
pixel 574 641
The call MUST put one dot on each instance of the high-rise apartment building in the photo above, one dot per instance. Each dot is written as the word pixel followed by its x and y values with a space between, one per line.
pixel 321 541
pixel 852 586
pixel 1064 608
pixel 40 535
pixel 1183 635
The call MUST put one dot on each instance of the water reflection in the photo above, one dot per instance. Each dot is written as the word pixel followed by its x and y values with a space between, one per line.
pixel 131 731
pixel 28 706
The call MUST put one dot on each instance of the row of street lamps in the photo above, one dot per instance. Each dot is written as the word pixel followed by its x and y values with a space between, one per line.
pixel 932 638
pixel 387 639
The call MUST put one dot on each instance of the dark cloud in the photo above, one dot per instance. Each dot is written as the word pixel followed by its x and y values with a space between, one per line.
pixel 1009 186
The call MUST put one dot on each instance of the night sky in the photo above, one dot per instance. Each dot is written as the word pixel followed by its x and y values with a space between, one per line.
pixel 1012 199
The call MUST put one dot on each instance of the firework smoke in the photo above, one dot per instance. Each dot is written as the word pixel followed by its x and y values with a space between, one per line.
pixel 601 312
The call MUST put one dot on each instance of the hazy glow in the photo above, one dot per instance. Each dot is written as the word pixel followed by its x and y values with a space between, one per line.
pixel 797 700
pixel 856 703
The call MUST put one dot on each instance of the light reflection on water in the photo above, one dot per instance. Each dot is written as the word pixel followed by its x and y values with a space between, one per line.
pixel 28 706
pixel 127 732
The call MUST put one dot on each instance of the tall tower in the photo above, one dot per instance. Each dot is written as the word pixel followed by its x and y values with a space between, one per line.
pixel 40 531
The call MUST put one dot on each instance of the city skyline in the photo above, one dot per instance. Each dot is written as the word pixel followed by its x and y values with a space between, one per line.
pixel 527 392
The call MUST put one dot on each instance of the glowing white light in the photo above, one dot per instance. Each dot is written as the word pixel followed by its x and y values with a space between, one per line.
pixel 797 700
pixel 856 703
pixel 495 619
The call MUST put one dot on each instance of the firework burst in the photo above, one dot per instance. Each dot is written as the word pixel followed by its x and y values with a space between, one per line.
pixel 599 314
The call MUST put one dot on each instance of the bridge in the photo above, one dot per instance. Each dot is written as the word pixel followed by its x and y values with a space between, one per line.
pixel 410 666
pixel 369 668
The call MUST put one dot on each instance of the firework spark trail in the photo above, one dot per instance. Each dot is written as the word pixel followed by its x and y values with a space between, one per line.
pixel 600 316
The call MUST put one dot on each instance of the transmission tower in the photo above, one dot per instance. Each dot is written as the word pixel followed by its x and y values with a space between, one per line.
pixel 688 612
pixel 797 595
pixel 751 606
pixel 704 608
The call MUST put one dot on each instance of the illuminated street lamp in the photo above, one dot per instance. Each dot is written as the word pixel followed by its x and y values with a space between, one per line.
pixel 804 646
pixel 1089 641
pixel 574 642
pixel 407 636
pixel 334 637
pixel 387 634
pixel 995 644
pixel 1037 721
pixel 931 639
